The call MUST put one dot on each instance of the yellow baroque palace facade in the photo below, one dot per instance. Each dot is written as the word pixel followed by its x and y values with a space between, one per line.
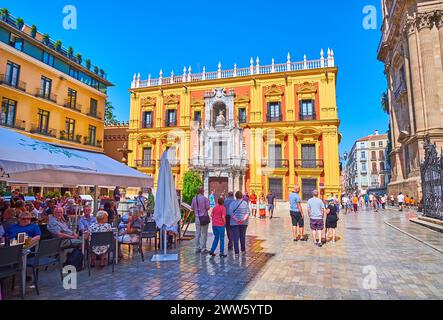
pixel 258 128
pixel 49 92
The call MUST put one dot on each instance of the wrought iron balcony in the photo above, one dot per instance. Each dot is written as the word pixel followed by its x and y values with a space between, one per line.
pixel 43 131
pixel 95 114
pixel 73 105
pixel 145 163
pixel 17 84
pixel 307 117
pixel 309 164
pixel 169 123
pixel 274 118
pixel 147 125
pixel 275 163
pixel 40 93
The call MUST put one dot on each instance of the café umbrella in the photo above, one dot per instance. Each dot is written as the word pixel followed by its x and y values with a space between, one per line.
pixel 167 210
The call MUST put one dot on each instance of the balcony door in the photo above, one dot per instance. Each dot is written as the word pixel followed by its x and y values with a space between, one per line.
pixel 8 111
pixel 147 157
pixel 220 153
pixel 12 74
pixel 309 156
pixel 46 85
pixel 275 156
pixel 308 185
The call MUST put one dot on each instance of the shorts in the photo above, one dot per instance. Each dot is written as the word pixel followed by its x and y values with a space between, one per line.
pixel 297 219
pixel 400 204
pixel 270 207
pixel 317 224
pixel 253 206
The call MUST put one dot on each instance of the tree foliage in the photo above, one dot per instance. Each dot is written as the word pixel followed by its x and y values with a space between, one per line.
pixel 191 182
pixel 109 113
pixel 385 102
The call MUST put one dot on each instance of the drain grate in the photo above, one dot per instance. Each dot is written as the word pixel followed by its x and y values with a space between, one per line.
pixel 354 229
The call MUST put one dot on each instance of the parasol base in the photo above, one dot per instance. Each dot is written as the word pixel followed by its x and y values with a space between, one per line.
pixel 164 257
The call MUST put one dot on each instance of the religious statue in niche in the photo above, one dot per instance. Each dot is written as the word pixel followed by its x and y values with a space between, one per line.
pixel 221 120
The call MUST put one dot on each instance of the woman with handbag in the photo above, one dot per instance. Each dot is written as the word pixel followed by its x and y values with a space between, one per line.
pixel 200 206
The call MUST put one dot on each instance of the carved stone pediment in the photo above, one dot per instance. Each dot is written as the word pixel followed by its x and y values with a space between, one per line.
pixel 307 88
pixel 308 133
pixel 274 91
pixel 197 103
pixel 172 99
pixel 242 100
pixel 147 102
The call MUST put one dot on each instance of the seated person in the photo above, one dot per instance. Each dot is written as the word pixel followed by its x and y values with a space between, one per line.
pixel 24 225
pixel 131 233
pixel 59 228
pixel 2 234
pixel 109 210
pixel 100 225
pixel 34 212
pixel 9 218
pixel 86 220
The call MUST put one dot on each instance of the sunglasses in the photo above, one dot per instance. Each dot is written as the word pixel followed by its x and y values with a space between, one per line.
pixel 25 218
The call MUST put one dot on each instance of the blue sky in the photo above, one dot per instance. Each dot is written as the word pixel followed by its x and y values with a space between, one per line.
pixel 146 36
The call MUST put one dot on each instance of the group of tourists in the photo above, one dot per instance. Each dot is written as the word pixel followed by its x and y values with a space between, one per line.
pixel 376 202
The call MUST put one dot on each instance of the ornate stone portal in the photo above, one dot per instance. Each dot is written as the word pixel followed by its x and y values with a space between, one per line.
pixel 220 153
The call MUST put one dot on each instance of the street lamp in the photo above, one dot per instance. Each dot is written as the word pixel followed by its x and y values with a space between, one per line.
pixel 345 156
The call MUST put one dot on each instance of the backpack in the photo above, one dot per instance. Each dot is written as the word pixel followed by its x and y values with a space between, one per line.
pixel 75 258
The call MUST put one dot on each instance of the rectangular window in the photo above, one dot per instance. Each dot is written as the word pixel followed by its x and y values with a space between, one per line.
pixel 407 161
pixel 16 42
pixel 374 168
pixel 363 155
pixel 373 155
pixel 242 115
pixel 198 116
pixel 380 143
pixel 147 154
pixel 171 118
pixel 48 59
pixel 12 74
pixel 274 112
pixel 70 128
pixel 147 119
pixel 309 156
pixel 381 155
pixel 382 166
pixel 93 108
pixel 8 112
pixel 46 87
pixel 43 121
pixel 71 102
pixel 73 72
pixel 363 167
pixel 373 144
pixel 92 135
pixel 220 153
pixel 307 110
pixel 275 156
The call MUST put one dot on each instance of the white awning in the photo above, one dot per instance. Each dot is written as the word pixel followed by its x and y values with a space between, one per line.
pixel 26 160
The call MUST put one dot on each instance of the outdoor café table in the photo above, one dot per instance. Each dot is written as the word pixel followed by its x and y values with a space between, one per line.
pixel 115 231
pixel 26 251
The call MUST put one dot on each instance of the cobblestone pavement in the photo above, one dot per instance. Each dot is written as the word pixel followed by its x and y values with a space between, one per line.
pixel 274 267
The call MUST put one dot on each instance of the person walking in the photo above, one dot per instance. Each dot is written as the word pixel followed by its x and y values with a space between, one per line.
pixel 392 201
pixel 355 203
pixel 297 216
pixel 400 200
pixel 200 206
pixel 253 200
pixel 316 210
pixel 345 203
pixel 150 203
pixel 140 202
pixel 218 227
pixel 375 203
pixel 271 204
pixel 229 200
pixel 117 196
pixel 331 220
pixel 262 206
pixel 239 222
pixel 366 200
pixel 212 200
pixel 383 200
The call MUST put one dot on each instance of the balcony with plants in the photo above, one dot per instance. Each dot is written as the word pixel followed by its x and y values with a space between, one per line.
pixel 13 83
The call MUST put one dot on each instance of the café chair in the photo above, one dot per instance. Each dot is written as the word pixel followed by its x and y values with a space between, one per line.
pixel 47 254
pixel 149 232
pixel 10 264
pixel 99 239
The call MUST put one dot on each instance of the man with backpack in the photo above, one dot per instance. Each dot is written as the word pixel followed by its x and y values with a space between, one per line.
pixel 200 206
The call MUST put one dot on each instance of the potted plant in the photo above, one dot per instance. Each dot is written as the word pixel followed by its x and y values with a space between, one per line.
pixel 58 45
pixel 70 52
pixel 46 38
pixel 62 135
pixel 96 70
pixel 88 64
pixel 85 140
pixel 78 138
pixel 79 58
pixel 102 73
pixel 33 30
pixel 4 13
pixel 99 143
pixel 19 23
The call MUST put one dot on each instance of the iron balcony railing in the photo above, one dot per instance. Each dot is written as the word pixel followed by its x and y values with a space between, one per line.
pixel 145 163
pixel 17 84
pixel 147 125
pixel 309 164
pixel 274 118
pixel 95 114
pixel 205 162
pixel 40 93
pixel 49 132
pixel 17 124
pixel 307 117
pixel 275 163
pixel 72 105
pixel 169 123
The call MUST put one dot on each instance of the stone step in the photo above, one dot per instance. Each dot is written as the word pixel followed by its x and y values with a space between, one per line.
pixel 431 220
pixel 432 226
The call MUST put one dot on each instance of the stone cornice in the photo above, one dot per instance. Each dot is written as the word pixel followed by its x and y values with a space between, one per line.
pixel 423 20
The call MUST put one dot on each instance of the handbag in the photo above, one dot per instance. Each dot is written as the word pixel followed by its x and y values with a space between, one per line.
pixel 204 220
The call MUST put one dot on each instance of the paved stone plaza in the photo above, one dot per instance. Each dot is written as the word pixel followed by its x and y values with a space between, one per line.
pixel 277 268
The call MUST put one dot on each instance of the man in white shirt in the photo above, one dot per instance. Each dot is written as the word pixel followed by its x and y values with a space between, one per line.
pixel 371 198
pixel 401 200
pixel 345 202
